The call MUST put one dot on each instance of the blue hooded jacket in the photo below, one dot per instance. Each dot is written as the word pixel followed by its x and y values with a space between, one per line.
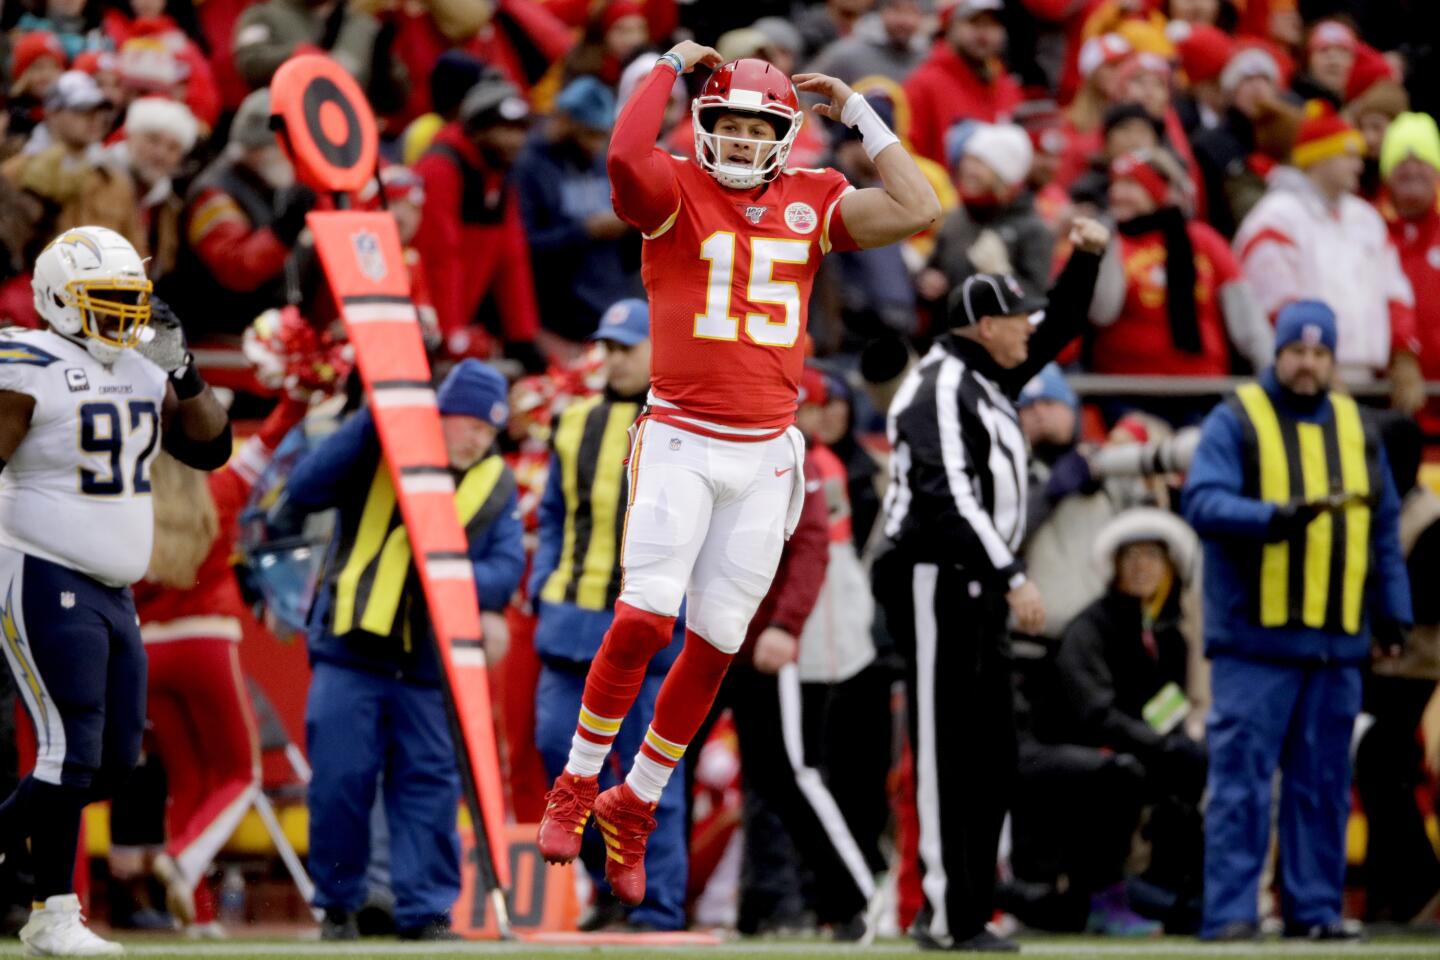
pixel 1234 526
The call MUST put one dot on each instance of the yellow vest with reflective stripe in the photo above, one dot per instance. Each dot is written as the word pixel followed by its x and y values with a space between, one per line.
pixel 1316 579
pixel 376 570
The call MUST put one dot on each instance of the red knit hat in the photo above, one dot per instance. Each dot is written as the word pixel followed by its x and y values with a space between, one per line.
pixel 1204 50
pixel 31 47
pixel 1136 166
pixel 1369 68
pixel 812 387
pixel 1324 134
pixel 617 10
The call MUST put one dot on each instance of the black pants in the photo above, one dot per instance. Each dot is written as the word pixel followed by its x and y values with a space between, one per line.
pixel 769 725
pixel 952 636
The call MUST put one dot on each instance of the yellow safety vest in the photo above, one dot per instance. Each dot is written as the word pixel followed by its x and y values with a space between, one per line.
pixel 591 444
pixel 1317 578
pixel 376 570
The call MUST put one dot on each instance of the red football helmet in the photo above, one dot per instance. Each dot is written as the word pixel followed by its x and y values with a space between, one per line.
pixel 752 87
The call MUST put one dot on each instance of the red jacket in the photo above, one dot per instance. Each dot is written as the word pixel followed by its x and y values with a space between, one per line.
pixel 472 240
pixel 945 89
pixel 213 608
pixel 801 574
pixel 1139 341
pixel 217 21
pixel 1418 243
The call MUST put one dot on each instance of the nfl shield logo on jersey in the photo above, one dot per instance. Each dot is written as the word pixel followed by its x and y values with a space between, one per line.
pixel 754 214
pixel 67 599
pixel 368 256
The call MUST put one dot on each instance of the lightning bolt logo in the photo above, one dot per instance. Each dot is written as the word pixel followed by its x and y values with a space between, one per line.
pixel 28 676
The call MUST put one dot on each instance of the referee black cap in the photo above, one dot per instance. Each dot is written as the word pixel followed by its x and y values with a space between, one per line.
pixel 990 295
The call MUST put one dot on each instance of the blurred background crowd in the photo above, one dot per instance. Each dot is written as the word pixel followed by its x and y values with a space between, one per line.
pixel 1247 153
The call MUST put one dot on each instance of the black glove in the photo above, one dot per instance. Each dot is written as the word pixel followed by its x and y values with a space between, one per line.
pixel 1071 474
pixel 291 205
pixel 1390 636
pixel 527 355
pixel 1292 518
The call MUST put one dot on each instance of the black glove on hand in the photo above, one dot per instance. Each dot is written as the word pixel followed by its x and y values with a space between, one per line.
pixel 291 205
pixel 1292 518
pixel 1390 636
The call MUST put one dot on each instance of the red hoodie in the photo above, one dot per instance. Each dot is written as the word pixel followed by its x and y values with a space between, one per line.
pixel 472 240
pixel 945 89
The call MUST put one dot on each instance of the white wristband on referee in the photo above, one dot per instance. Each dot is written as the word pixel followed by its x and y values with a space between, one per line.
pixel 875 136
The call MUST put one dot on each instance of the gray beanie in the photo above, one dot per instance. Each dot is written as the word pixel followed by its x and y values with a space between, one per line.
pixel 251 127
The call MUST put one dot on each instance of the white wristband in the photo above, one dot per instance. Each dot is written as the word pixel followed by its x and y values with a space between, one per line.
pixel 875 136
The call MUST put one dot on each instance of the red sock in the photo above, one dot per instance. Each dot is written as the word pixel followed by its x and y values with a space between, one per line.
pixel 614 682
pixel 684 702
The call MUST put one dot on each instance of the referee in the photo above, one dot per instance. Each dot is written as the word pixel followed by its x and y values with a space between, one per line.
pixel 948 573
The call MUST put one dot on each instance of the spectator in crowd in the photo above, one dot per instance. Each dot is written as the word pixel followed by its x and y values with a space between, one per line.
pixel 1329 57
pixel 1410 167
pixel 821 24
pixel 1128 128
pixel 1402 872
pixel 268 33
pixel 784 42
pixel 376 679
pixel 574 583
pixel 36 62
pixel 472 237
pixel 577 242
pixel 1085 115
pixel 62 165
pixel 838 432
pixel 1372 112
pixel 1043 123
pixel 1230 155
pixel 963 78
pixel 1145 79
pixel 19 213
pixel 243 218
pixel 452 76
pixel 76 23
pixel 995 229
pixel 1124 672
pixel 1204 50
pixel 1312 237
pixel 159 135
pixel 888 43
pixel 1286 651
pixel 1171 298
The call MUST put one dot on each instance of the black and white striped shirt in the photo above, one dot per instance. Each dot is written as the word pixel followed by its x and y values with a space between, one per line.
pixel 958 466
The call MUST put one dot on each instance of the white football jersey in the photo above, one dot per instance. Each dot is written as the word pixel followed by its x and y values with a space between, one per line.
pixel 77 490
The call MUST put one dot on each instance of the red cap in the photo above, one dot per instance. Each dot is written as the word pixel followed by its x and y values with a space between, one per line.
pixel 812 387
pixel 1135 166
pixel 31 47
pixel 618 10
pixel 1204 51
pixel 1331 33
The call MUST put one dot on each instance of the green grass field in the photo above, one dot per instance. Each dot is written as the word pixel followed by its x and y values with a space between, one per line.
pixel 1069 948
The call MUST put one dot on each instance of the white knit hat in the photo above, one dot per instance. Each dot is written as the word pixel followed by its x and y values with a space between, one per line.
pixel 1004 148
pixel 1147 525
pixel 161 115
pixel 1246 63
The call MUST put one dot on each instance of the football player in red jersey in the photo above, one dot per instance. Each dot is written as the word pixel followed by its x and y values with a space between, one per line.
pixel 732 243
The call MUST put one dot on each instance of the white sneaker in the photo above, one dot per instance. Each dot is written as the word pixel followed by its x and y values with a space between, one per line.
pixel 206 931
pixel 179 895
pixel 58 930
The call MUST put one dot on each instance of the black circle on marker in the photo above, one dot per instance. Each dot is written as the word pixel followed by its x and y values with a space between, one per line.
pixel 320 91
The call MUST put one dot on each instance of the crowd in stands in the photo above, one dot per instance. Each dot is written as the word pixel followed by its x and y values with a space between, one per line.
pixel 1247 153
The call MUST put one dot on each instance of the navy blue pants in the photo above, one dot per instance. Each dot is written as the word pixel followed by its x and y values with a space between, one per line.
pixel 557 705
pixel 73 645
pixel 357 726
pixel 1297 718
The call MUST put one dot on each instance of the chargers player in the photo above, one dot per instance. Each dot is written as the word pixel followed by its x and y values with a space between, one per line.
pixel 732 243
pixel 82 414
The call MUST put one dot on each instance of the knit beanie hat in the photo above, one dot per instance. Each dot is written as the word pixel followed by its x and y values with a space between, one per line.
pixel 1309 321
pixel 1410 135
pixel 1204 50
pixel 1137 166
pixel 1004 148
pixel 251 126
pixel 1049 384
pixel 31 47
pixel 162 115
pixel 1098 51
pixel 1324 134
pixel 472 389
pixel 1245 63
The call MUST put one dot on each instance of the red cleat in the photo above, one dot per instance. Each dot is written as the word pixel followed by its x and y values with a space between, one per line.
pixel 567 808
pixel 625 823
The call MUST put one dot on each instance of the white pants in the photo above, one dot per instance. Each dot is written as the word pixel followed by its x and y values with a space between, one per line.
pixel 707 521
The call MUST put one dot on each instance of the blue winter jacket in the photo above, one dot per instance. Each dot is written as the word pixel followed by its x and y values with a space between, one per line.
pixel 1234 527
pixel 337 473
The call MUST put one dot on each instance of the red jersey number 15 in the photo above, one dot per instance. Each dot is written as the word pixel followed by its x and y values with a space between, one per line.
pixel 761 287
